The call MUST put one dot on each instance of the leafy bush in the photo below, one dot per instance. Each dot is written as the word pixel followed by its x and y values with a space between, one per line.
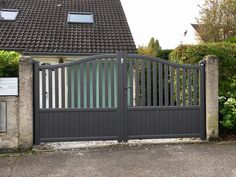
pixel 229 114
pixel 231 39
pixel 226 53
pixel 9 64
pixel 164 54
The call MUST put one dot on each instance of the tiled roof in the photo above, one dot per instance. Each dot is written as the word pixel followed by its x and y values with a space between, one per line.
pixel 198 28
pixel 41 27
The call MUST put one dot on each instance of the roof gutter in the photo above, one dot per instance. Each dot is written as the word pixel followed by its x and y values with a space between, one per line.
pixel 22 50
pixel 14 49
pixel 61 54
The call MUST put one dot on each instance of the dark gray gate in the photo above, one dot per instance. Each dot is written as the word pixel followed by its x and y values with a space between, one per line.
pixel 118 97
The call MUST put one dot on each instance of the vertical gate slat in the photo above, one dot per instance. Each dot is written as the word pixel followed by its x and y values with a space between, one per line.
pixel 137 84
pixel 166 86
pixel 56 89
pixel 76 86
pixel 160 84
pixel 82 85
pixel 154 84
pixel 172 86
pixel 195 83
pixel 106 81
pixel 184 87
pixel 69 86
pixel 189 87
pixel 44 92
pixel 100 84
pixel 50 87
pixel 131 81
pixel 63 86
pixel 143 83
pixel 112 82
pixel 88 83
pixel 177 87
pixel 148 83
pixel 94 83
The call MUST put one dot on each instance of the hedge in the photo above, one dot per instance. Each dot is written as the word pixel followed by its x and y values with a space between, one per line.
pixel 164 54
pixel 9 63
pixel 226 52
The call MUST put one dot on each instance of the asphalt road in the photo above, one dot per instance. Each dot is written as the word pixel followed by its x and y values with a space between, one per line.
pixel 200 160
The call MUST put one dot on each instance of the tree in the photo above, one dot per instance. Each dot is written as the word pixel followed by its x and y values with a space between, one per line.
pixel 154 46
pixel 152 49
pixel 217 20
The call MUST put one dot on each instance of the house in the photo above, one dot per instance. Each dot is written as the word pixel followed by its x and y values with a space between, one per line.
pixel 198 28
pixel 56 31
pixel 188 36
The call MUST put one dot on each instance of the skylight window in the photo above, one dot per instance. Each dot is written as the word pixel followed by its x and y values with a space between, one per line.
pixel 8 14
pixel 79 17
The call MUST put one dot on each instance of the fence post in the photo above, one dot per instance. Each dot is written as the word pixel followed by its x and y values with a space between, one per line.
pixel 212 111
pixel 25 102
pixel 36 102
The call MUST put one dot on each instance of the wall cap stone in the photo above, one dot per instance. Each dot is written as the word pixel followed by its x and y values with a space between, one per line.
pixel 26 60
pixel 211 58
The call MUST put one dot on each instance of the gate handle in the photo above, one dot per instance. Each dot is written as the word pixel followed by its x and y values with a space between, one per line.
pixel 128 87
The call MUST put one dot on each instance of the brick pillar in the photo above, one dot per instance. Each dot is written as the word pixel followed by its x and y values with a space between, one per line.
pixel 212 110
pixel 25 102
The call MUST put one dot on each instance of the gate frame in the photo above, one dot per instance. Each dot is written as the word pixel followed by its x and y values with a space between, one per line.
pixel 122 105
pixel 36 127
pixel 202 88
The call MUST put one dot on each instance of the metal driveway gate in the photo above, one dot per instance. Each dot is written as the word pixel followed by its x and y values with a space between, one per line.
pixel 118 97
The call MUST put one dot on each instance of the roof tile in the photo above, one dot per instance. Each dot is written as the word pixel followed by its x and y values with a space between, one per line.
pixel 41 26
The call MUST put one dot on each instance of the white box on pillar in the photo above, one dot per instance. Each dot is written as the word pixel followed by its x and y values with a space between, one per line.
pixel 9 86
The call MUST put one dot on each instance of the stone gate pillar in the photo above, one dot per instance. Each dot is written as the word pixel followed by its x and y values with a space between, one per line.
pixel 25 102
pixel 211 84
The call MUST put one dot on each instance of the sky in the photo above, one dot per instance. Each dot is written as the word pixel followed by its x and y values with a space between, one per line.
pixel 166 20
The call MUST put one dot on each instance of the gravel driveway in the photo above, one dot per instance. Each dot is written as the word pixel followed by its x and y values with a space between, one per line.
pixel 173 160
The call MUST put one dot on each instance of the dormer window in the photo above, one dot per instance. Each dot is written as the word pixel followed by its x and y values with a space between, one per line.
pixel 80 17
pixel 8 14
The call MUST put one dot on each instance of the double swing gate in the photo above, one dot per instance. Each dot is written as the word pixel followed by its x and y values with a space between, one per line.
pixel 118 97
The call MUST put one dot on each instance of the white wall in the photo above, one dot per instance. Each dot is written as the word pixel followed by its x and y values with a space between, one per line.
pixel 55 59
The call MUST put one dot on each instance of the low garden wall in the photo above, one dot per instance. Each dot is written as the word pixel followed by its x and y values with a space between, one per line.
pixel 9 136
pixel 19 111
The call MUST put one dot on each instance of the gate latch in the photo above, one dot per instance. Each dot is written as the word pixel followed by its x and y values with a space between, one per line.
pixel 128 87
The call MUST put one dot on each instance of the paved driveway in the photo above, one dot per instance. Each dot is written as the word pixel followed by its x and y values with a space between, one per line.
pixel 126 161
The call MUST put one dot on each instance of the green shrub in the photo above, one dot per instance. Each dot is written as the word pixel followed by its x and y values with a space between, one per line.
pixel 226 52
pixel 9 64
pixel 231 39
pixel 192 54
pixel 229 114
pixel 164 54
